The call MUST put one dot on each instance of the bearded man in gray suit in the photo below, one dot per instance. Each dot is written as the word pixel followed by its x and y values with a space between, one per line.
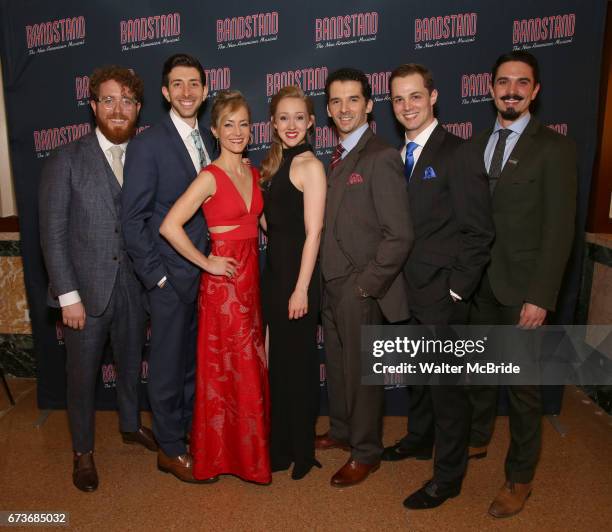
pixel 90 275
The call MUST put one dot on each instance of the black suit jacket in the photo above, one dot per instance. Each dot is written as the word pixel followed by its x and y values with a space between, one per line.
pixel 451 216
pixel 157 171
pixel 534 206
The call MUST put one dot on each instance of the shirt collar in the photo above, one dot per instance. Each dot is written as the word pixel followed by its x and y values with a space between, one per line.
pixel 106 144
pixel 518 126
pixel 351 140
pixel 183 128
pixel 422 138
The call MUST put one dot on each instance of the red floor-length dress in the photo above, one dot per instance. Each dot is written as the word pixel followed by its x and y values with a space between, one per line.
pixel 230 431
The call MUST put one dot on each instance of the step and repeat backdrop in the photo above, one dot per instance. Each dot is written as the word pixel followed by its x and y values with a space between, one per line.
pixel 50 48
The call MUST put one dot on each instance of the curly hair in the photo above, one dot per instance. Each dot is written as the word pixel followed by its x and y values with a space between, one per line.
pixel 126 77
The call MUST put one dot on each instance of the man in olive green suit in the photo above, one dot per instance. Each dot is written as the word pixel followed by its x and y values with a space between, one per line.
pixel 532 177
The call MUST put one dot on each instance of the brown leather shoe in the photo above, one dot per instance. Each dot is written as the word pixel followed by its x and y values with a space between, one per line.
pixel 510 499
pixel 181 467
pixel 143 436
pixel 477 453
pixel 324 442
pixel 84 474
pixel 352 473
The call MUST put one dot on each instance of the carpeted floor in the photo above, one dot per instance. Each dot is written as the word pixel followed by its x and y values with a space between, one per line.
pixel 573 488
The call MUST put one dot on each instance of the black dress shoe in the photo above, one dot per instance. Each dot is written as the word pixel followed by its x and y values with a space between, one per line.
pixel 397 452
pixel 431 495
pixel 84 474
pixel 142 436
pixel 301 470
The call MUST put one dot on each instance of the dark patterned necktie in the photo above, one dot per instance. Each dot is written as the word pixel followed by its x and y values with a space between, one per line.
pixel 336 157
pixel 497 160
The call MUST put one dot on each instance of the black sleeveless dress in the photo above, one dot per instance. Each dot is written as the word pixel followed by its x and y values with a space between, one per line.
pixel 293 355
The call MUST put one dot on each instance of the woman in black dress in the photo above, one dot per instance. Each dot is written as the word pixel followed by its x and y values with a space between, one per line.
pixel 294 201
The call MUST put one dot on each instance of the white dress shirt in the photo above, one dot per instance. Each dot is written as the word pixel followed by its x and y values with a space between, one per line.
pixel 185 131
pixel 421 139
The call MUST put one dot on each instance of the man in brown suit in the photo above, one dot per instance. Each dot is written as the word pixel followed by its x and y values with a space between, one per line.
pixel 366 240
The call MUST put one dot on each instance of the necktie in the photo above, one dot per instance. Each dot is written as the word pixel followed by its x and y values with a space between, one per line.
pixel 409 163
pixel 116 164
pixel 497 160
pixel 197 141
pixel 337 156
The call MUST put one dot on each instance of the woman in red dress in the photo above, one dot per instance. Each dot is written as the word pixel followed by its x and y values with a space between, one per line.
pixel 230 419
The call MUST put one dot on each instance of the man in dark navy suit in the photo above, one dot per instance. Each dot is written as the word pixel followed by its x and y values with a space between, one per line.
pixel 160 164
pixel 453 232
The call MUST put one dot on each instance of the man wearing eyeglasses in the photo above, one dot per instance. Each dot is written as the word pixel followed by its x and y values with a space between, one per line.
pixel 90 274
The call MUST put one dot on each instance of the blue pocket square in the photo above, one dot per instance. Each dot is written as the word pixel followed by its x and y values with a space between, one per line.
pixel 429 173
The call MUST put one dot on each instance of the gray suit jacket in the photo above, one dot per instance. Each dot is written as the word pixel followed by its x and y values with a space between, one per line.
pixel 80 229
pixel 367 224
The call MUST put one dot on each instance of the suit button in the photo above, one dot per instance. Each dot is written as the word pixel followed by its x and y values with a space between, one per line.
pixel 114 258
pixel 116 230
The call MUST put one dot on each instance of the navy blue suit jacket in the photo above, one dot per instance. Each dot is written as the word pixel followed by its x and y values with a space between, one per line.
pixel 158 169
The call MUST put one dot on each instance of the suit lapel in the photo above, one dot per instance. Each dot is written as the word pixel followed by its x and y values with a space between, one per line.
pixel 339 175
pixel 428 155
pixel 520 150
pixel 99 171
pixel 179 146
pixel 480 142
pixel 209 142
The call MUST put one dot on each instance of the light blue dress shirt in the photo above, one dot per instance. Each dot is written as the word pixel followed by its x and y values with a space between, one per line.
pixel 517 127
pixel 351 141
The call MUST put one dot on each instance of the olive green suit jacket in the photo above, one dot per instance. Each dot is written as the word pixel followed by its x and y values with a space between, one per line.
pixel 533 206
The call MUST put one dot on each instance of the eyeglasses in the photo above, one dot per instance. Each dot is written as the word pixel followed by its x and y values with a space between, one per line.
pixel 109 102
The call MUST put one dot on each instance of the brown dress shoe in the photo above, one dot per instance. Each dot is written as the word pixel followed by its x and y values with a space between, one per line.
pixel 181 467
pixel 510 499
pixel 324 442
pixel 143 436
pixel 84 474
pixel 476 453
pixel 352 473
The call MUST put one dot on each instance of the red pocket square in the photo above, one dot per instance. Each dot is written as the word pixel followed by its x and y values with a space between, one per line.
pixel 354 179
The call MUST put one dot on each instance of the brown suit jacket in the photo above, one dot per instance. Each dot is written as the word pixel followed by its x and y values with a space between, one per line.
pixel 368 229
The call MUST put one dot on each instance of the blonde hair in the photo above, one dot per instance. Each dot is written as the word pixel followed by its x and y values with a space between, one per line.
pixel 226 102
pixel 274 158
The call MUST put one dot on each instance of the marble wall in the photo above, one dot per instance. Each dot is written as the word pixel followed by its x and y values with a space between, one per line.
pixel 16 343
pixel 595 304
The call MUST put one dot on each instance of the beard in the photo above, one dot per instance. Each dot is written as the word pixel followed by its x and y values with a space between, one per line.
pixel 509 114
pixel 117 134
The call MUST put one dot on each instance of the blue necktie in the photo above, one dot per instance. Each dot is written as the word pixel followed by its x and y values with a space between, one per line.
pixel 409 164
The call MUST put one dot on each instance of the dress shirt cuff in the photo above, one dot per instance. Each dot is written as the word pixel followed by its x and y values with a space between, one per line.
pixel 70 298
pixel 162 281
pixel 455 296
